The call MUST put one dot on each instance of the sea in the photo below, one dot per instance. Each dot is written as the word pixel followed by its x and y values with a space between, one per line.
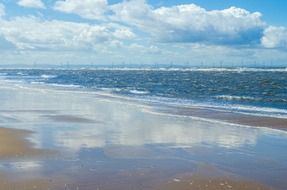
pixel 258 91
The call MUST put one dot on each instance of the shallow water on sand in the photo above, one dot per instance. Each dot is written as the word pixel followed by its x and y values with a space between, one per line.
pixel 106 143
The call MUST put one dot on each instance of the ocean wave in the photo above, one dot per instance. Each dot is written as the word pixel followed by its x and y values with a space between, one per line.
pixel 124 91
pixel 48 76
pixel 139 92
pixel 246 109
pixel 154 68
pixel 263 110
pixel 242 98
pixel 36 82
pixel 110 89
pixel 239 69
pixel 237 108
pixel 20 73
pixel 64 85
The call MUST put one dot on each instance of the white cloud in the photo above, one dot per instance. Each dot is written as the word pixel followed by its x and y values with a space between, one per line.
pixel 275 37
pixel 2 10
pixel 90 9
pixel 191 23
pixel 31 3
pixel 124 33
pixel 34 33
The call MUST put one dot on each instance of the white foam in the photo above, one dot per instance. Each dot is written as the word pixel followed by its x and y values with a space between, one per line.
pixel 230 97
pixel 110 89
pixel 48 76
pixel 146 68
pixel 64 85
pixel 239 69
pixel 140 92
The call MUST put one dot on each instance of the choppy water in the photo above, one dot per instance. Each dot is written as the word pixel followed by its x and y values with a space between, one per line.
pixel 259 91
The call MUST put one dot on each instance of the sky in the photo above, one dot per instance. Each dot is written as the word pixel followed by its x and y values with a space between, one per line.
pixel 186 32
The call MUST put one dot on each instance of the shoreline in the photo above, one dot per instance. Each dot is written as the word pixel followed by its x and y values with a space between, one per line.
pixel 196 112
pixel 227 117
pixel 110 142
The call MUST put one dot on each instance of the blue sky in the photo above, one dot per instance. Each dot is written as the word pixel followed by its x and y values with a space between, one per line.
pixel 197 32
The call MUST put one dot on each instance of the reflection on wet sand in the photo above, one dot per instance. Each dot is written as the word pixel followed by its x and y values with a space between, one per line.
pixel 113 144
pixel 154 131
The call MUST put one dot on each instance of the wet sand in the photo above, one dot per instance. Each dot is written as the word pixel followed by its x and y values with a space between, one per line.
pixel 69 118
pixel 197 182
pixel 38 183
pixel 142 179
pixel 14 144
pixel 207 177
pixel 59 139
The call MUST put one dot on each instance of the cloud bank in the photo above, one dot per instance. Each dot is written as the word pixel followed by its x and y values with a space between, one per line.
pixel 34 33
pixel 191 23
pixel 187 23
pixel 133 28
